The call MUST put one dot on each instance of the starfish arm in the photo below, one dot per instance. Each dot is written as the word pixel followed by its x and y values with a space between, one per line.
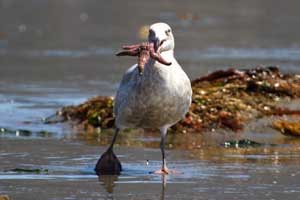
pixel 143 59
pixel 131 47
pixel 159 58
pixel 128 53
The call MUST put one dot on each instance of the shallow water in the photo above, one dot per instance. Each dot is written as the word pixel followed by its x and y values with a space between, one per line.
pixel 57 53
pixel 207 172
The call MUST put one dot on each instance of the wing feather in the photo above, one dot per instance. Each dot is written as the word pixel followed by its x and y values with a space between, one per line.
pixel 124 88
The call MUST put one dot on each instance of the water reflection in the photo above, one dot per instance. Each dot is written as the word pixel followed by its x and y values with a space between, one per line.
pixel 212 171
pixel 163 186
pixel 275 148
pixel 110 181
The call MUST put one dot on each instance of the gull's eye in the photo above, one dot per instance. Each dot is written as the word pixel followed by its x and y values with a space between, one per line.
pixel 168 32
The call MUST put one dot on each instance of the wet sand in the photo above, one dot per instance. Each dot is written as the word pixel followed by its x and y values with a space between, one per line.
pixel 208 172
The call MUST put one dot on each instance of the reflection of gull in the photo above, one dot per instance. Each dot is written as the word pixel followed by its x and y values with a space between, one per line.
pixel 108 182
pixel 163 186
pixel 159 98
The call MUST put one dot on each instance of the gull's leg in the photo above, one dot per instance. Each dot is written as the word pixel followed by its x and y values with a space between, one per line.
pixel 164 169
pixel 108 162
pixel 111 146
pixel 163 133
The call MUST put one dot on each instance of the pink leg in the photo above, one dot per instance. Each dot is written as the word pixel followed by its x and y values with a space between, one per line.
pixel 164 169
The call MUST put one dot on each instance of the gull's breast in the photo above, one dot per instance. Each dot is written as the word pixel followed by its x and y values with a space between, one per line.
pixel 161 97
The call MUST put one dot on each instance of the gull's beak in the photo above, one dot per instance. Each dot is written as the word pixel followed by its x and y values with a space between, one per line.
pixel 157 44
pixel 160 45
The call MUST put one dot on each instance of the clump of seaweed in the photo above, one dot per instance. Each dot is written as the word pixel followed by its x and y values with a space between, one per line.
pixel 230 98
pixel 223 99
pixel 96 112
pixel 288 128
pixel 245 143
pixel 27 170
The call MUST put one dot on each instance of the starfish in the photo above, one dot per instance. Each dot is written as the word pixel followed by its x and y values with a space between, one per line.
pixel 144 51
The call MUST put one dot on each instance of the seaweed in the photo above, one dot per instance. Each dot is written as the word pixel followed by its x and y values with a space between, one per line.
pixel 96 112
pixel 288 128
pixel 26 170
pixel 244 143
pixel 225 99
pixel 4 197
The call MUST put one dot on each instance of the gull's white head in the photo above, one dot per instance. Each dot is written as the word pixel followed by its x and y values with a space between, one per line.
pixel 162 37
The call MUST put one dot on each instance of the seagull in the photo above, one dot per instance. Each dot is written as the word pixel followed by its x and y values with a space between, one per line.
pixel 157 99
